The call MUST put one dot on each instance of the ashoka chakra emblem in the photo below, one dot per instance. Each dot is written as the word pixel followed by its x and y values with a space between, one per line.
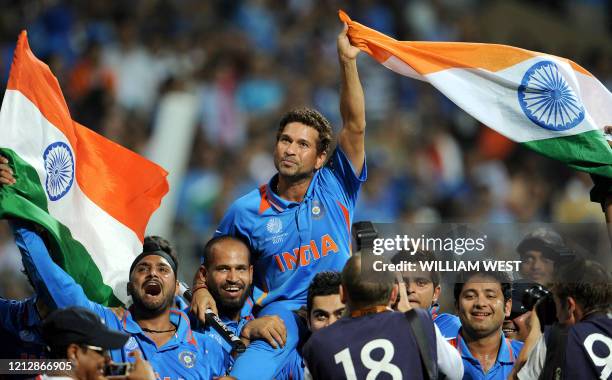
pixel 547 99
pixel 59 167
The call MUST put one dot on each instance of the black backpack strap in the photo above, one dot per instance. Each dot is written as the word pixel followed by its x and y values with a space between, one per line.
pixel 556 342
pixel 423 342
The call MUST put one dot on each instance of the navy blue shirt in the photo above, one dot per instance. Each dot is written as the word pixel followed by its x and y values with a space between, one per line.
pixel 589 348
pixel 379 346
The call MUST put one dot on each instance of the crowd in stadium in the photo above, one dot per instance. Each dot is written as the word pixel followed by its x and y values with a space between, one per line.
pixel 312 311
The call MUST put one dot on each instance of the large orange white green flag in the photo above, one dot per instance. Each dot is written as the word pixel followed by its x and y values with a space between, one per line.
pixel 93 196
pixel 548 103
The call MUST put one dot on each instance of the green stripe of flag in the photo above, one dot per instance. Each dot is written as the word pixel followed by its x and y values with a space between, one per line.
pixel 26 199
pixel 587 151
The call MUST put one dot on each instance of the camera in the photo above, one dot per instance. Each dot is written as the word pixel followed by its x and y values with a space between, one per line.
pixel 542 299
pixel 117 369
pixel 364 234
pixel 532 295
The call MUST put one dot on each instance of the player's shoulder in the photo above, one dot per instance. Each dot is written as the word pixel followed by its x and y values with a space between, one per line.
pixel 248 203
pixel 449 324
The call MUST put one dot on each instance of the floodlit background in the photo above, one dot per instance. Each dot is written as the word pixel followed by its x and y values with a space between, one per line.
pixel 199 86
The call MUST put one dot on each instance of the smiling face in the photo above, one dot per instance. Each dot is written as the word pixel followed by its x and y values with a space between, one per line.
pixel 153 284
pixel 517 328
pixel 421 290
pixel 481 307
pixel 295 154
pixel 229 275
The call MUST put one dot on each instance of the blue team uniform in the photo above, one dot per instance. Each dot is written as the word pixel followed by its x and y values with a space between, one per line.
pixel 290 243
pixel 448 324
pixel 509 350
pixel 188 354
pixel 234 326
pixel 20 330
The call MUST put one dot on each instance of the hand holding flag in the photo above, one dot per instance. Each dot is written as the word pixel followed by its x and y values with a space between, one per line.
pixel 92 195
pixel 547 103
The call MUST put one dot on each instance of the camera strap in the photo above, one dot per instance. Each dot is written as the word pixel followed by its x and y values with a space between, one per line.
pixel 423 342
pixel 554 365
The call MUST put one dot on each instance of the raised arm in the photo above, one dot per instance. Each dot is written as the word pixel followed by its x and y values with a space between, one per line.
pixel 352 104
pixel 56 287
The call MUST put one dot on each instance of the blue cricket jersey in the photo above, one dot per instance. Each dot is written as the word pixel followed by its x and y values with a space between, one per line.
pixel 261 361
pixel 187 355
pixel 214 336
pixel 509 350
pixel 20 330
pixel 291 241
pixel 448 324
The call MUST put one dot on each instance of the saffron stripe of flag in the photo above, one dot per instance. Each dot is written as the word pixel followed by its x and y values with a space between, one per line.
pixel 547 103
pixel 93 196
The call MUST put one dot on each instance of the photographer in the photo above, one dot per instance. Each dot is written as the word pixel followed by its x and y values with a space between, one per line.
pixel 582 293
pixel 78 335
pixel 541 252
pixel 515 325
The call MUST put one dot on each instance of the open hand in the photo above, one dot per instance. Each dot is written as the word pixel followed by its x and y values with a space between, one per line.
pixel 269 328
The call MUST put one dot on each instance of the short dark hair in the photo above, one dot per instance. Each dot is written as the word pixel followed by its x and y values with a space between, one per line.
pixel 206 255
pixel 364 286
pixel 502 278
pixel 586 281
pixel 311 118
pixel 419 255
pixel 323 284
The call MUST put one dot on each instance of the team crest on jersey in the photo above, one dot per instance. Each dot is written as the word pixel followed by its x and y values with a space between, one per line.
pixel 274 225
pixel 317 210
pixel 187 358
pixel 131 344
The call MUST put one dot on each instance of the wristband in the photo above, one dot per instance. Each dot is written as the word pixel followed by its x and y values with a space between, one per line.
pixel 198 287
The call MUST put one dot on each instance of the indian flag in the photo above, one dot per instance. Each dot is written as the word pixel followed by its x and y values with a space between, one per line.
pixel 547 103
pixel 93 196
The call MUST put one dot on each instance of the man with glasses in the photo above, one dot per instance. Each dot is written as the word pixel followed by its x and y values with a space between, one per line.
pixel 77 335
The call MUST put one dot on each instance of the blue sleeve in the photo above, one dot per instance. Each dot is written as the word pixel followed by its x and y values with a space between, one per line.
pixel 56 287
pixel 341 167
pixel 260 360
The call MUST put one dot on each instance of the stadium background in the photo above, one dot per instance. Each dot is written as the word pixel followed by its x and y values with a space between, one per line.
pixel 246 62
